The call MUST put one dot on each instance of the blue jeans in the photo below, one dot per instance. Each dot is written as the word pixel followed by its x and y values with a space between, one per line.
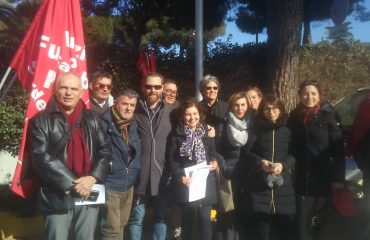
pixel 135 223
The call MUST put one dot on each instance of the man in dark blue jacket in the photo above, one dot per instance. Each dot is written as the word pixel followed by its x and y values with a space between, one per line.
pixel 120 126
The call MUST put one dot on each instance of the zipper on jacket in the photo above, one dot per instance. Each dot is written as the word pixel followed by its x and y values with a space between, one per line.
pixel 272 203
pixel 126 179
pixel 152 134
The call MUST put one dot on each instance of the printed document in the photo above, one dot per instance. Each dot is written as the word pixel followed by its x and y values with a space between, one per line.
pixel 198 174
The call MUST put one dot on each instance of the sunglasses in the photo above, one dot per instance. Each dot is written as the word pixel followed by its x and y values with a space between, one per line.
pixel 150 87
pixel 102 86
pixel 209 88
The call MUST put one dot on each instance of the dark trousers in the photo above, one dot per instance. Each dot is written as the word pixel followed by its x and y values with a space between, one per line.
pixel 203 220
pixel 227 226
pixel 310 216
pixel 275 226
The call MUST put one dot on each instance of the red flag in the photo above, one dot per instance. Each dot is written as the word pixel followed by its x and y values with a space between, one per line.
pixel 53 44
pixel 146 63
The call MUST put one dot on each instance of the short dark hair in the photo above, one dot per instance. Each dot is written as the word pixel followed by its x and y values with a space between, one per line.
pixel 152 74
pixel 310 82
pixel 270 99
pixel 187 103
pixel 128 93
pixel 100 74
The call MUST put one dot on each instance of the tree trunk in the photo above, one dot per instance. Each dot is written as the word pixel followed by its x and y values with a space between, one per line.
pixel 256 38
pixel 284 35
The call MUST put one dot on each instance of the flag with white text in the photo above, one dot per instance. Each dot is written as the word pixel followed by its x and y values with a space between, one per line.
pixel 53 44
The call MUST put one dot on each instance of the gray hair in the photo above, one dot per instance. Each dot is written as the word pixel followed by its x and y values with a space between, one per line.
pixel 130 93
pixel 204 81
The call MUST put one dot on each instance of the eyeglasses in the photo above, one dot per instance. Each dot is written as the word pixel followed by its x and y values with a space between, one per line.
pixel 102 86
pixel 150 87
pixel 267 109
pixel 170 92
pixel 209 88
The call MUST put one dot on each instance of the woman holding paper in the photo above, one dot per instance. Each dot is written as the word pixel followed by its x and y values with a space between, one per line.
pixel 188 146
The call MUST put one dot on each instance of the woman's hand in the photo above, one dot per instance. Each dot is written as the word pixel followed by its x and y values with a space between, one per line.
pixel 266 165
pixel 277 168
pixel 186 181
pixel 214 165
pixel 211 131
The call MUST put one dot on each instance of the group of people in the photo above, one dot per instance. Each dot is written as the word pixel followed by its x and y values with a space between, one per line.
pixel 282 167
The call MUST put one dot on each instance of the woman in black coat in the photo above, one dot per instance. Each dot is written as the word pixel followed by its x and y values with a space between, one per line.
pixel 318 150
pixel 270 166
pixel 189 145
pixel 234 137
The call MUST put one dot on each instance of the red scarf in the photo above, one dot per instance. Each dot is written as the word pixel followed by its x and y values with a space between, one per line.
pixel 307 113
pixel 78 159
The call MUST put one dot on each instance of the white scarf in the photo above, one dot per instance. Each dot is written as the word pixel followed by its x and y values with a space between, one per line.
pixel 237 130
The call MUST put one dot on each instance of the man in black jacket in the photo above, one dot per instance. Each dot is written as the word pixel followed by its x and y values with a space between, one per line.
pixel 70 153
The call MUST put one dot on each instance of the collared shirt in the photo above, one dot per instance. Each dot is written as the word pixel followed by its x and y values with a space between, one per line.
pixel 100 104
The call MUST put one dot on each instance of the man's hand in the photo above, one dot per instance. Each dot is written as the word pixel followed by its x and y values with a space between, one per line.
pixel 83 186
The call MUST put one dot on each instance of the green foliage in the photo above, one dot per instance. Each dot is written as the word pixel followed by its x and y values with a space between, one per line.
pixel 12 114
pixel 341 68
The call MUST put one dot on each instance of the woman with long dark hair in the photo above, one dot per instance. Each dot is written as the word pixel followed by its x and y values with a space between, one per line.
pixel 317 145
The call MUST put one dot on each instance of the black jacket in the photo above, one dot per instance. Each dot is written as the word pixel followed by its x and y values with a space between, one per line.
pixel 216 116
pixel 271 142
pixel 46 130
pixel 319 151
pixel 178 163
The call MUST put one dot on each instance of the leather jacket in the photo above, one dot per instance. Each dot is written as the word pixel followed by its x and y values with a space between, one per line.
pixel 49 158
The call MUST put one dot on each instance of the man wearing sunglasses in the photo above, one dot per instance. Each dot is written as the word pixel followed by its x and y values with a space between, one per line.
pixel 153 118
pixel 100 89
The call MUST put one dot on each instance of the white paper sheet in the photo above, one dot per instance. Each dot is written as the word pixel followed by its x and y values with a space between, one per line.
pixel 101 197
pixel 198 174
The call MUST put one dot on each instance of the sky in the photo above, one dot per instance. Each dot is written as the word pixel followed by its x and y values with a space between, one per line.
pixel 360 31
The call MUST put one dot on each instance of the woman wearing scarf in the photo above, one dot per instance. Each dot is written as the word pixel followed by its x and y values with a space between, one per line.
pixel 234 136
pixel 317 145
pixel 270 165
pixel 189 145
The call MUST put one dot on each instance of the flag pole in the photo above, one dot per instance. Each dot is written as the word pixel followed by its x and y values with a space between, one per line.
pixel 3 80
pixel 12 80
